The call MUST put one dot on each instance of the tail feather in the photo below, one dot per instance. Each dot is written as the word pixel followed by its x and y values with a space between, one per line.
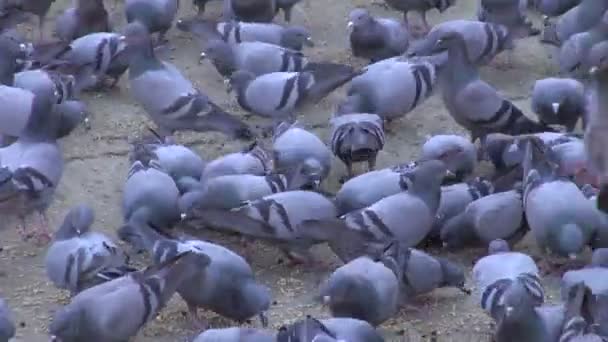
pixel 549 35
pixel 327 78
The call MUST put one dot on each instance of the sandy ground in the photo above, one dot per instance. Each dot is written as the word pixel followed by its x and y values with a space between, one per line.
pixel 96 166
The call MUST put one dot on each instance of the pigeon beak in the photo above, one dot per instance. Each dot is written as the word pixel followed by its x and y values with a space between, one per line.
pixel 326 300
pixel 22 47
pixel 263 319
pixel 309 42
pixel 183 216
pixel 465 290
pixel 202 57
pixel 228 85
pixel 350 25
pixel 593 70
pixel 87 123
pixel 449 174
pixel 572 256
pixel 508 310
pixel 555 106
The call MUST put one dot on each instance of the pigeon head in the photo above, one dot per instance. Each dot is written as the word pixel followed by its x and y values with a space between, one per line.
pixel 295 37
pixel 498 246
pixel 221 55
pixel 566 240
pixel 457 232
pixel 600 257
pixel 69 115
pixel 137 35
pixel 501 151
pixel 67 324
pixel 456 152
pixel 359 17
pixel 308 174
pixel 309 329
pixel 239 80
pixel 450 41
pixel 598 58
pixel 427 175
pixel 351 297
pixel 523 291
pixel 453 274
pixel 78 221
pixel 247 301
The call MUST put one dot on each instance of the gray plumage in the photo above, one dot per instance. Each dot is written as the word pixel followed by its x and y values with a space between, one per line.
pixel 599 258
pixel 332 329
pixel 554 8
pixel 578 19
pixel 580 324
pixel 155 15
pixel 363 289
pixel 70 113
pixel 236 32
pixel 457 152
pixel 150 193
pixel 529 323
pixel 505 280
pixel 97 313
pixel 419 6
pixel 574 52
pixel 47 83
pixel 170 99
pixel 40 8
pixel 559 101
pixel 7 327
pixel 590 275
pixel 411 80
pixel 254 160
pixel 300 155
pixel 483 41
pixel 357 137
pixel 78 257
pixel 376 38
pixel 308 329
pixel 351 329
pixel 85 18
pixel 510 13
pixel 248 10
pixel 236 334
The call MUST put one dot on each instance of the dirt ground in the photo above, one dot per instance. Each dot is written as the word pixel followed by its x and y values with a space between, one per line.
pixel 96 166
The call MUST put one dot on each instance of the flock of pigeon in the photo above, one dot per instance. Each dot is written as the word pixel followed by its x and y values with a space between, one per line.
pixel 547 180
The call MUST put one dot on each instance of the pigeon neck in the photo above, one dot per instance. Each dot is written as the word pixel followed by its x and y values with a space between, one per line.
pixel 601 88
pixel 458 69
pixel 43 122
pixel 429 192
pixel 7 72
pixel 142 59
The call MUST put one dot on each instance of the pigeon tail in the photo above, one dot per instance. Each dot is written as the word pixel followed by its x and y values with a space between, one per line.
pixel 326 78
pixel 602 198
pixel 549 35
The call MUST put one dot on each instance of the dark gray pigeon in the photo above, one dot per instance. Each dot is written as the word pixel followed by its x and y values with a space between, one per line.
pixel 235 32
pixel 376 38
pixel 574 52
pixel 457 152
pixel 591 276
pixel 254 160
pixel 7 327
pixel 88 16
pixel 236 334
pixel 510 13
pixel 286 6
pixel 39 8
pixel 250 10
pixel 529 323
pixel 351 329
pixel 578 19
pixel 559 101
pixel 340 329
pixel 307 330
pixel 300 155
pixel 170 99
pixel 226 286
pixel 420 6
pixel 554 8
pixel 97 313
pixel 155 15
pixel 357 137
pixel 78 257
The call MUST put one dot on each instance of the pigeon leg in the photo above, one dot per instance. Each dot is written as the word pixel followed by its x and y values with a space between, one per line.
pixel 42 232
pixel 41 20
pixel 22 230
pixel 197 321
pixel 371 162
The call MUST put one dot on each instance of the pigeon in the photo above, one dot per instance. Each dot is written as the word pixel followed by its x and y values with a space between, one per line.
pixel 496 216
pixel 155 15
pixel 71 114
pixel 529 323
pixel 420 6
pixel 555 8
pixel 254 160
pixel 455 198
pixel 250 10
pixel 44 83
pixel 300 155
pixel 599 258
pixel 376 38
pixel 562 220
pixel 351 329
pixel 286 6
pixel 483 41
pixel 7 327
pixel 78 257
pixel 85 18
pixel 97 313
pixel 473 103
pixel 579 325
pixel 591 276
pixel 363 289
pixel 574 52
pixel 39 8
pixel 506 280
pixel 458 154
pixel 337 329
pixel 226 285
pixel 279 94
pixel 357 137
pixel 510 13
pixel 150 194
pixel 412 81
pixel 236 334
pixel 308 329
pixel 368 188
pixel 168 97
pixel 234 32
pixel 559 101
pixel 578 19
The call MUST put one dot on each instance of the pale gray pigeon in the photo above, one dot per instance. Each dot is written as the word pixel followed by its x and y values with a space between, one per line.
pixel 505 280
pixel 78 257
pixel 574 52
pixel 88 16
pixel 510 13
pixel 97 313
pixel 254 160
pixel 457 152
pixel 7 327
pixel 473 103
pixel 559 101
pixel 496 216
pixel 300 155
pixel 250 10
pixel 554 8
pixel 420 6
pixel 483 40
pixel 376 38
pixel 40 8
pixel 357 137
pixel 226 286
pixel 591 276
pixel 411 82
pixel 151 194
pixel 155 15
pixel 578 19
pixel 235 32
pixel 236 334
pixel 170 99
pixel 363 289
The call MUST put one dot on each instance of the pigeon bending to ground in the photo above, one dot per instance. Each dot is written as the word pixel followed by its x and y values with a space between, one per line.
pixel 151 194
pixel 420 6
pixel 555 8
pixel 578 19
pixel 376 38
pixel 496 216
pixel 253 160
pixel 155 15
pixel 473 103
pixel 357 137
pixel 510 13
pixel 562 220
pixel 506 280
pixel 226 285
pixel 7 327
pixel 97 313
pixel 89 16
pixel 300 155
pixel 411 82
pixel 458 153
pixel 236 334
pixel 363 289
pixel 168 97
pixel 78 257
pixel 574 52
pixel 39 8
pixel 559 101
pixel 591 276
pixel 279 94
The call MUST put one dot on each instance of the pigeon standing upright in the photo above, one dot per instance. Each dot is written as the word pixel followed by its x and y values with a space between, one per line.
pixel 574 52
pixel 578 19
pixel 155 15
pixel 250 10
pixel 420 6
pixel 89 16
pixel 7 327
pixel 510 13
pixel 559 101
